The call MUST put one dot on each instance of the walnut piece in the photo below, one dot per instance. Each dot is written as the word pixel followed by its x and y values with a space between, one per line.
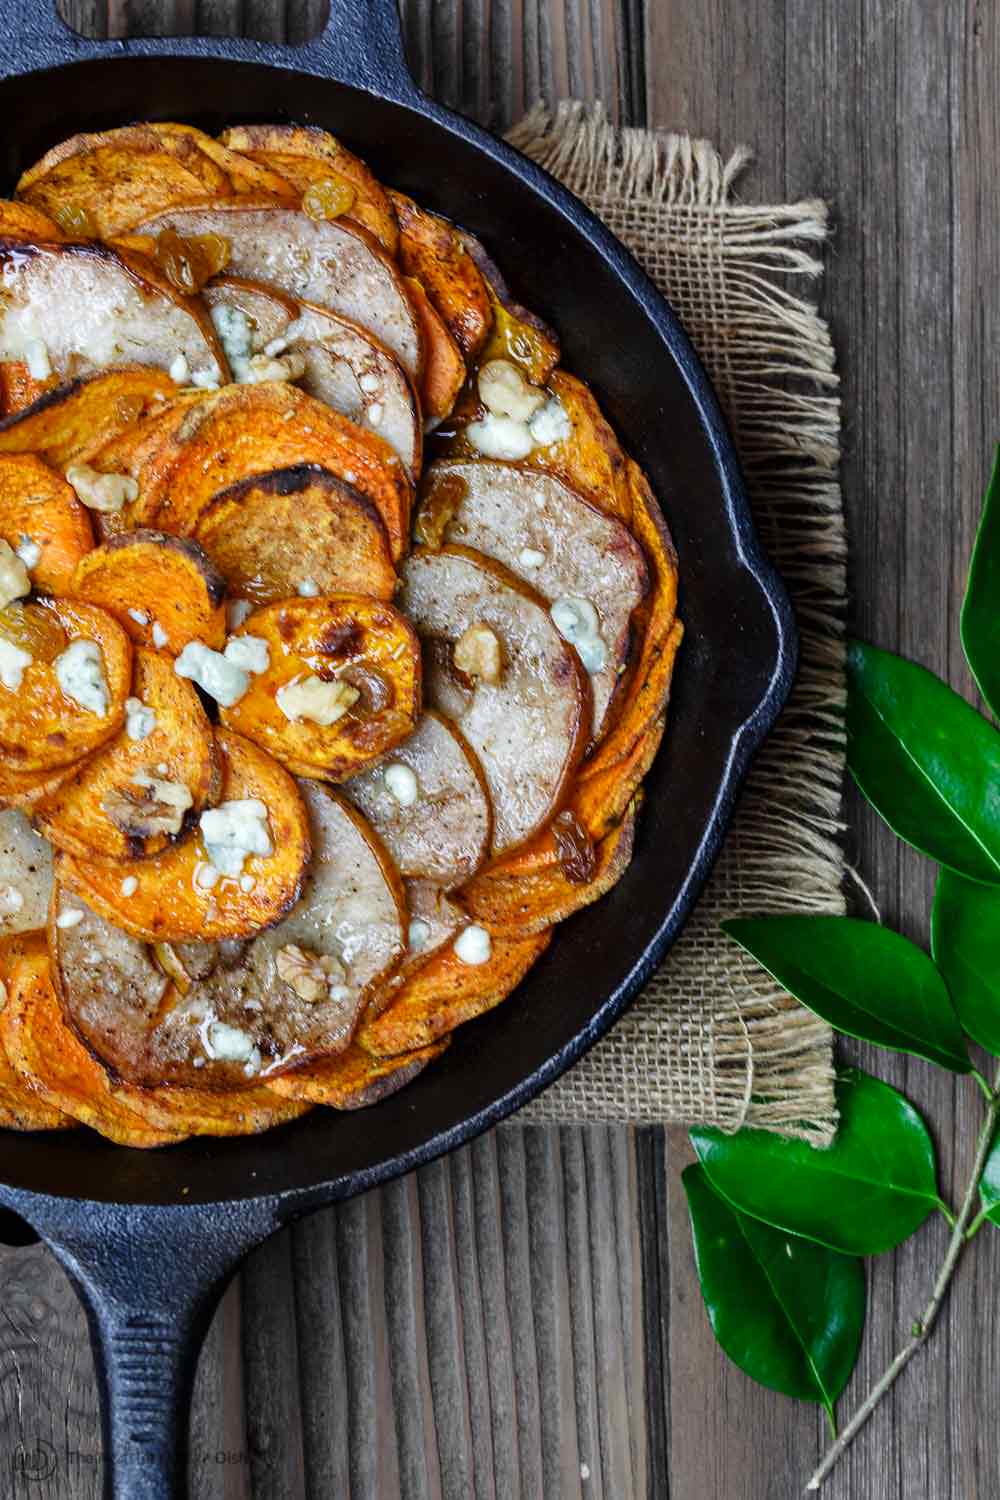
pixel 312 698
pixel 313 977
pixel 477 653
pixel 157 807
pixel 14 580
pixel 102 492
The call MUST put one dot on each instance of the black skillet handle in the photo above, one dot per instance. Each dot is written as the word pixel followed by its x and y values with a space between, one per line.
pixel 149 1279
pixel 361 44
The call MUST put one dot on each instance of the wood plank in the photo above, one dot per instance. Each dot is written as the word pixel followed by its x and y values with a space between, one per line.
pixel 531 1305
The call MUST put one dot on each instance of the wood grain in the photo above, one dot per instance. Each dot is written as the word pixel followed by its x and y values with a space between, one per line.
pixel 523 1319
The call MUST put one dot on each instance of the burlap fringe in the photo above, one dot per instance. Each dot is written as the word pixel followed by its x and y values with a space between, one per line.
pixel 713 1039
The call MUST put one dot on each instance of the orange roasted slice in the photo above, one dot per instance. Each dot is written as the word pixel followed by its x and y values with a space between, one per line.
pixel 68 668
pixel 180 895
pixel 342 685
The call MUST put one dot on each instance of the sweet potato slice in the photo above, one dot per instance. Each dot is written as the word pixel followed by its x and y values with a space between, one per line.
pixel 40 725
pixel 344 365
pixel 557 541
pixel 446 992
pixel 104 812
pixel 193 1111
pixel 519 904
pixel 147 452
pixel 39 508
pixel 22 221
pixel 515 333
pixel 99 185
pixel 292 994
pixel 93 308
pixel 529 725
pixel 594 810
pixel 355 1079
pixel 327 261
pixel 70 424
pixel 21 1107
pixel 591 458
pixel 150 578
pixel 243 173
pixel 25 789
pixel 440 830
pixel 430 250
pixel 444 370
pixel 18 387
pixel 362 648
pixel 270 535
pixel 248 430
pixel 178 894
pixel 647 687
pixel 46 1054
pixel 25 876
pixel 307 156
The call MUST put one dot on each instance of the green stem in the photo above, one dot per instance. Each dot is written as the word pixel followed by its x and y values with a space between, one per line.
pixel 976 1225
pixel 922 1327
pixel 983 1084
pixel 946 1213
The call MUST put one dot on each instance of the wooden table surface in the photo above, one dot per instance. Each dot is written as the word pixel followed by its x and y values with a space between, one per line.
pixel 523 1319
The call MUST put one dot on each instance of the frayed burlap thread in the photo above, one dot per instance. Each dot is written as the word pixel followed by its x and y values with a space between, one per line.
pixel 712 1039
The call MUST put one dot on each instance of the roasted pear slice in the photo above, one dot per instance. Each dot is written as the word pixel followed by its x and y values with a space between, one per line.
pixel 83 308
pixel 429 802
pixel 312 160
pixel 25 875
pixel 335 360
pixel 326 261
pixel 558 542
pixel 500 670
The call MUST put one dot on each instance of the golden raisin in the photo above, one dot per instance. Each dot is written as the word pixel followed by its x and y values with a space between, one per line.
pixel 329 198
pixel 438 509
pixel 73 218
pixel 189 261
pixel 574 848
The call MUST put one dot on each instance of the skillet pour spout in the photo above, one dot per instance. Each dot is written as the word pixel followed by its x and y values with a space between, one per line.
pixel 150 1240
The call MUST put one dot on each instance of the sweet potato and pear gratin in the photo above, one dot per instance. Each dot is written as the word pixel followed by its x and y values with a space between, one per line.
pixel 336 635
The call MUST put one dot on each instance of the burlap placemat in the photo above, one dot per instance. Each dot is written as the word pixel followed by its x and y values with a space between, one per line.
pixel 712 1039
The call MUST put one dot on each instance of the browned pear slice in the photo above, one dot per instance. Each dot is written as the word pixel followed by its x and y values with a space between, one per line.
pixel 25 875
pixel 79 308
pixel 557 541
pixel 497 667
pixel 324 261
pixel 343 365
pixel 428 802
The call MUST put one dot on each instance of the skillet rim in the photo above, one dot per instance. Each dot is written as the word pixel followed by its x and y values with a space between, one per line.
pixel 745 737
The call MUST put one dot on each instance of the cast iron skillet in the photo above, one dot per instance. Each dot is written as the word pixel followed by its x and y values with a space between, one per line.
pixel 150 1239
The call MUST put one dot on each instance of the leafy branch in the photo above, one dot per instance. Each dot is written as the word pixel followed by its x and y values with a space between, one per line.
pixel 779 1227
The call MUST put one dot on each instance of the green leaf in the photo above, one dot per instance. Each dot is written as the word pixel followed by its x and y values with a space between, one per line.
pixel 864 979
pixel 981 609
pixel 787 1312
pixel 965 942
pixel 926 761
pixel 863 1195
pixel 989 1183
